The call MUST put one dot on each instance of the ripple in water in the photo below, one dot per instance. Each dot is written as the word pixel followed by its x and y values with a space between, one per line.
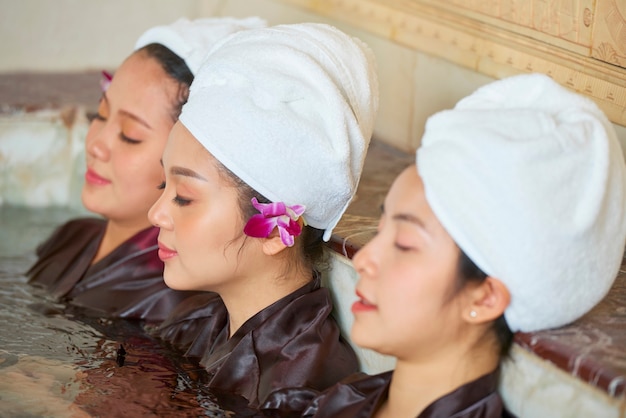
pixel 56 362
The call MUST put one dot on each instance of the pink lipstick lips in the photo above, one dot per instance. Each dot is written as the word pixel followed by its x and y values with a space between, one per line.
pixel 362 305
pixel 166 253
pixel 92 177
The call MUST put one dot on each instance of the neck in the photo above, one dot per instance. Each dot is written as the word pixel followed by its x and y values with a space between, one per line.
pixel 116 234
pixel 415 385
pixel 262 288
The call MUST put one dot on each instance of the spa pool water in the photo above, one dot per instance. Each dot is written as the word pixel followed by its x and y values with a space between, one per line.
pixel 59 363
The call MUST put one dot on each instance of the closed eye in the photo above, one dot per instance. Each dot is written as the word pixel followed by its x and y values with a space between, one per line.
pixel 402 247
pixel 129 140
pixel 181 201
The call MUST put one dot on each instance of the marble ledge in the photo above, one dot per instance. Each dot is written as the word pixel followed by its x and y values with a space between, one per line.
pixel 592 349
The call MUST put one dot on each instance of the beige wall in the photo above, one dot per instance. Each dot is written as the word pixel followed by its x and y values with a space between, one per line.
pixel 62 35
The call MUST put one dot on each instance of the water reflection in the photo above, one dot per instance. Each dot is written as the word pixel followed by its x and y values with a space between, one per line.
pixel 60 362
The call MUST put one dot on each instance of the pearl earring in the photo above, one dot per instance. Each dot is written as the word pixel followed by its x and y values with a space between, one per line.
pixel 473 314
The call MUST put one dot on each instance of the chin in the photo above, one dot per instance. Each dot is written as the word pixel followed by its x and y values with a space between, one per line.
pixel 88 202
pixel 84 198
pixel 173 283
pixel 360 337
pixel 364 337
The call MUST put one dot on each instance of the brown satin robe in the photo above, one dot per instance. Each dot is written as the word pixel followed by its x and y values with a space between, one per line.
pixel 127 283
pixel 277 361
pixel 361 395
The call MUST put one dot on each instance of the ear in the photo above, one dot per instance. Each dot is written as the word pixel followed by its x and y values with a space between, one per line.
pixel 273 245
pixel 488 301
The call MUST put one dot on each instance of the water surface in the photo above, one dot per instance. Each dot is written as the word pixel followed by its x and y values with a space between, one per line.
pixel 55 361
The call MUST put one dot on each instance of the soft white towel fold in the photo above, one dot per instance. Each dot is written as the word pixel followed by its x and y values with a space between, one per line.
pixel 529 180
pixel 290 110
pixel 192 39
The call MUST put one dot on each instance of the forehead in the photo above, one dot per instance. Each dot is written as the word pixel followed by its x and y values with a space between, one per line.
pixel 407 192
pixel 407 199
pixel 142 65
pixel 141 82
pixel 184 150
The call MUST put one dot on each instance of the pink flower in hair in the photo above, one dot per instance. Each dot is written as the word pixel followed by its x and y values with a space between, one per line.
pixel 288 219
pixel 105 81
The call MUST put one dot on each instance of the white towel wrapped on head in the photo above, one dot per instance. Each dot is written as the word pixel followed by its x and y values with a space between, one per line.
pixel 529 180
pixel 290 110
pixel 192 39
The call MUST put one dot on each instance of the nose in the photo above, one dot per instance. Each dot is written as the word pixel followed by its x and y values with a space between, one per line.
pixel 96 143
pixel 365 261
pixel 158 214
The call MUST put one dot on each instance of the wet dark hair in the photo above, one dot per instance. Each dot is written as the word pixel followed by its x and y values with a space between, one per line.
pixel 175 67
pixel 470 272
pixel 309 243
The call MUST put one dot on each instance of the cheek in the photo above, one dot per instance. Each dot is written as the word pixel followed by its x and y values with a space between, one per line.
pixel 398 302
pixel 410 294
pixel 208 250
pixel 140 170
pixel 205 231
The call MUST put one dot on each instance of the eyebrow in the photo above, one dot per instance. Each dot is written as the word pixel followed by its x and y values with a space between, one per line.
pixel 136 118
pixel 406 217
pixel 409 218
pixel 128 114
pixel 182 171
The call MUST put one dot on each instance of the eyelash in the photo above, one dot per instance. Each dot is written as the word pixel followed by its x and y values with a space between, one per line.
pixel 180 201
pixel 123 137
pixel 129 140
pixel 402 248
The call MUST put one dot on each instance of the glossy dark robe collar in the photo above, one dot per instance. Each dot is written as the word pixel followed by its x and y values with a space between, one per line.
pixel 277 361
pixel 361 396
pixel 127 283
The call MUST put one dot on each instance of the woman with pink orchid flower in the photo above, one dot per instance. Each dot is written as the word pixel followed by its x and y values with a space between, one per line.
pixel 111 265
pixel 264 160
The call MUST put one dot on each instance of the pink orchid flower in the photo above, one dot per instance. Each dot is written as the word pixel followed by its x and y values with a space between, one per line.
pixel 105 81
pixel 286 218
